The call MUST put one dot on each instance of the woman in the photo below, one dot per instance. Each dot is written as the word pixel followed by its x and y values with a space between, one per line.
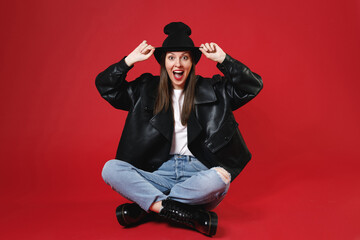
pixel 181 146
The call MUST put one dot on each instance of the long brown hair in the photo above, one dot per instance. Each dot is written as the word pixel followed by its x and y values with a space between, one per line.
pixel 165 89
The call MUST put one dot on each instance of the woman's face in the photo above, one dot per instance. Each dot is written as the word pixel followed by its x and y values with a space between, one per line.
pixel 178 66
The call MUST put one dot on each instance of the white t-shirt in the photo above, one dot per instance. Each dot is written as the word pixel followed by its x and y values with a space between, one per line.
pixel 179 141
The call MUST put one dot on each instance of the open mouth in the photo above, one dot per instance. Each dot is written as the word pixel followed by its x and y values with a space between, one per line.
pixel 178 74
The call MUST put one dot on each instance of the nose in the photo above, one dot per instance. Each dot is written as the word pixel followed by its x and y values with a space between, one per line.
pixel 177 62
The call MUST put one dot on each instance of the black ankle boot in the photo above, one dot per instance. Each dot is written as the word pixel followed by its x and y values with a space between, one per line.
pixel 130 214
pixel 191 216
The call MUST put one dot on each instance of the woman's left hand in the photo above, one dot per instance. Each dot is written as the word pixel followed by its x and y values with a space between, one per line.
pixel 213 52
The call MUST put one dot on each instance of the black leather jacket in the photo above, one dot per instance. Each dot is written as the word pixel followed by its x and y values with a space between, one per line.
pixel 213 134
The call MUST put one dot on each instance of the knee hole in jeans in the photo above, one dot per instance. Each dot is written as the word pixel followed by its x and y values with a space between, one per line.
pixel 224 175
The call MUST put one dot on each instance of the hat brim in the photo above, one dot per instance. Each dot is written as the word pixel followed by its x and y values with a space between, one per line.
pixel 195 52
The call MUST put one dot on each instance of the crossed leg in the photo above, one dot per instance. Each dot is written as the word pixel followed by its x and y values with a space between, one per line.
pixel 214 194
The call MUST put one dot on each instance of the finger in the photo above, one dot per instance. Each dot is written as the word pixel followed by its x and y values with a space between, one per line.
pixel 203 50
pixel 149 46
pixel 144 44
pixel 148 49
pixel 205 47
pixel 208 47
pixel 144 48
pixel 151 51
pixel 141 45
pixel 148 54
pixel 218 49
pixel 213 47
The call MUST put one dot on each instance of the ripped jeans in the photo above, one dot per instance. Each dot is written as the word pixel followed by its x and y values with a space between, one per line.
pixel 182 178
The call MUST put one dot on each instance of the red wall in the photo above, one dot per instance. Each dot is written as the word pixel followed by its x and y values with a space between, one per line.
pixel 303 128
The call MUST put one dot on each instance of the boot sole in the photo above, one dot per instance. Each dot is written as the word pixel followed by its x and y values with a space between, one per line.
pixel 120 216
pixel 213 222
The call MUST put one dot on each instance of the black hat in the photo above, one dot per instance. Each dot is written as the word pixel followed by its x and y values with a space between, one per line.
pixel 178 40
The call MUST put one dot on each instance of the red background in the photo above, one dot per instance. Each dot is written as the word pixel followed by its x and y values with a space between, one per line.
pixel 303 128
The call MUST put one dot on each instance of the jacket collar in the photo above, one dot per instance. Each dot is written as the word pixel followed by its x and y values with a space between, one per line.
pixel 164 123
pixel 204 91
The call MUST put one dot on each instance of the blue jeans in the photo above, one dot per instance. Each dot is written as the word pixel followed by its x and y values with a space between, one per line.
pixel 181 178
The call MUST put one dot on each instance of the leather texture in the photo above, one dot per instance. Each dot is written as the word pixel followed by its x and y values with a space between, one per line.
pixel 192 216
pixel 213 134
pixel 129 214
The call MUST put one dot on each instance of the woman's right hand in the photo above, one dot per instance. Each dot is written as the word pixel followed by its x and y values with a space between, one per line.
pixel 140 53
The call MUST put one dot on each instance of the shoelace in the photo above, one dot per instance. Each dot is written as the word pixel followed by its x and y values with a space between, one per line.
pixel 178 215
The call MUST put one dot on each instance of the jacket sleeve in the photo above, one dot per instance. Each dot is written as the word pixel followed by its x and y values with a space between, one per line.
pixel 241 84
pixel 113 87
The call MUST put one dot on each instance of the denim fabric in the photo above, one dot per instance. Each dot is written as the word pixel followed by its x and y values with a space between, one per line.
pixel 181 178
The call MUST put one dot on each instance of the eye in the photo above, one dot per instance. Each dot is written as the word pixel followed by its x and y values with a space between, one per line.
pixel 171 58
pixel 185 57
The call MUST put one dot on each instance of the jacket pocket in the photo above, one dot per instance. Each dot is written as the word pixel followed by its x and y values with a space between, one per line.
pixel 222 136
